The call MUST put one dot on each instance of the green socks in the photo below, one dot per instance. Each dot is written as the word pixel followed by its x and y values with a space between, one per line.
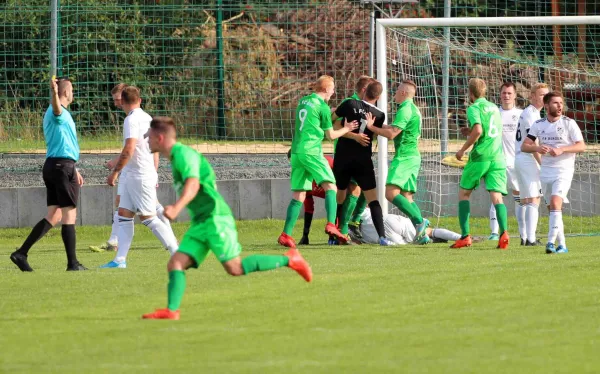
pixel 293 211
pixel 361 204
pixel 407 208
pixel 175 289
pixel 464 212
pixel 502 217
pixel 254 263
pixel 330 205
pixel 347 209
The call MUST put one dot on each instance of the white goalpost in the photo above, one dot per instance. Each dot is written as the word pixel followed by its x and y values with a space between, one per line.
pixel 441 54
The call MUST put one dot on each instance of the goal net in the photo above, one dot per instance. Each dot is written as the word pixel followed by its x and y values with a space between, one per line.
pixel 559 51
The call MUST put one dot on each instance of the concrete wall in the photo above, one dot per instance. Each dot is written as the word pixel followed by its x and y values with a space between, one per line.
pixel 268 198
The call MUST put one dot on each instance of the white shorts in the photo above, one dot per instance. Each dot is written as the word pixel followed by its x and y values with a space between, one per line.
pixel 138 195
pixel 528 177
pixel 556 184
pixel 512 183
pixel 120 183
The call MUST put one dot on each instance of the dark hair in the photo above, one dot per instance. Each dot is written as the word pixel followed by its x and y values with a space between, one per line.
pixel 130 95
pixel 508 84
pixel 163 125
pixel 289 153
pixel 374 90
pixel 550 95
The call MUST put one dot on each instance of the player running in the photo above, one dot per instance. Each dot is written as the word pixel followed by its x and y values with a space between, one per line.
pixel 353 159
pixel 313 121
pixel 401 182
pixel 137 185
pixel 485 161
pixel 510 118
pixel 212 225
pixel 559 140
pixel 527 165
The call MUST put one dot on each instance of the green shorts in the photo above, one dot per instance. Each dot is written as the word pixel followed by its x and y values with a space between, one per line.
pixel 217 234
pixel 306 168
pixel 493 173
pixel 403 173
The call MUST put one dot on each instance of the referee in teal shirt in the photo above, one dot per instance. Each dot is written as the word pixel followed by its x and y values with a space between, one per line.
pixel 61 178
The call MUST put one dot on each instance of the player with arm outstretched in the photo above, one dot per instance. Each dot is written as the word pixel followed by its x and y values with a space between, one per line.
pixel 510 118
pixel 353 160
pixel 485 161
pixel 313 122
pixel 560 139
pixel 527 165
pixel 212 227
pixel 401 182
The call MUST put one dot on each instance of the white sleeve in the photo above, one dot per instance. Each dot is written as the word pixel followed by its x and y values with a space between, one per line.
pixel 131 129
pixel 574 132
pixel 533 130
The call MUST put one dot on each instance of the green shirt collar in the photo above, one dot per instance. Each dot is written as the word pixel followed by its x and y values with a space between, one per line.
pixel 481 99
pixel 314 94
pixel 355 96
pixel 405 102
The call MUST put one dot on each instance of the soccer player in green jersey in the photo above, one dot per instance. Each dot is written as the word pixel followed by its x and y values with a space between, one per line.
pixel 485 161
pixel 212 224
pixel 313 121
pixel 401 183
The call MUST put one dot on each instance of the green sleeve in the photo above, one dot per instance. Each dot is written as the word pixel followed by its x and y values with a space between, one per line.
pixel 402 117
pixel 473 116
pixel 326 117
pixel 187 163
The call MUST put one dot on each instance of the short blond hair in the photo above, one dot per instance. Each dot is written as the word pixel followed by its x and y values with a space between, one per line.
pixel 322 83
pixel 477 87
pixel 363 82
pixel 538 86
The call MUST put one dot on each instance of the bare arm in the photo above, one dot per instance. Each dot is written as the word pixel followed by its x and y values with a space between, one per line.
pixel 334 134
pixel 190 190
pixel 529 146
pixel 54 100
pixel 474 135
pixel 126 154
pixel 386 131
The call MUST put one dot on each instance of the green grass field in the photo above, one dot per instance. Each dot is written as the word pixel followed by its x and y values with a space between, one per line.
pixel 369 310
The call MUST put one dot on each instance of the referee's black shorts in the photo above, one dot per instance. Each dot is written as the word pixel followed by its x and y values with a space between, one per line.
pixel 358 168
pixel 60 178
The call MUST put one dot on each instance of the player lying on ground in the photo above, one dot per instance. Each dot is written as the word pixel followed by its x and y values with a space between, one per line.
pixel 399 230
pixel 560 139
pixel 212 226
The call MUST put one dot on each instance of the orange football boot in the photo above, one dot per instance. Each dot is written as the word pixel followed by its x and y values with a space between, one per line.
pixel 463 242
pixel 299 264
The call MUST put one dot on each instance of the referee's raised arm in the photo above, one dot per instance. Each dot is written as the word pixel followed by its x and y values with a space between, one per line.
pixel 61 178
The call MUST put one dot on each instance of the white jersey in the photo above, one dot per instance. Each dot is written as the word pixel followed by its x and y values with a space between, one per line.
pixel 510 120
pixel 136 126
pixel 527 118
pixel 562 133
pixel 399 230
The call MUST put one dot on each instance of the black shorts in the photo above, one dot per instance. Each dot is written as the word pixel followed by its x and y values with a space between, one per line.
pixel 60 178
pixel 358 168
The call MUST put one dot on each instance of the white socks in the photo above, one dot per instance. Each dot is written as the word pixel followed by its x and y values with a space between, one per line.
pixel 520 214
pixel 445 234
pixel 493 221
pixel 532 215
pixel 125 237
pixel 163 233
pixel 556 226
pixel 114 232
pixel 159 213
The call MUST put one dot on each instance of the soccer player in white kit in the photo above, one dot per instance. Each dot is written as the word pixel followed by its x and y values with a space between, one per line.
pixel 510 117
pixel 137 185
pixel 527 165
pixel 400 230
pixel 559 140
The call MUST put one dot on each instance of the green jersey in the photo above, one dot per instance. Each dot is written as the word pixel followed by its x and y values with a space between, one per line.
pixel 489 145
pixel 208 202
pixel 353 97
pixel 313 117
pixel 407 119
